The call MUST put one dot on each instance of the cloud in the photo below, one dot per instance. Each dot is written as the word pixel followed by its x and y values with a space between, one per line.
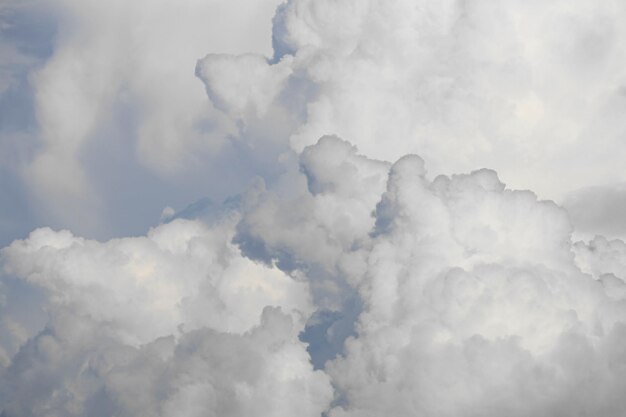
pixel 243 83
pixel 437 297
pixel 474 298
pixel 605 260
pixel 316 212
pixel 330 281
pixel 325 212
pixel 25 31
pixel 598 210
pixel 531 91
pixel 534 92
pixel 176 322
pixel 72 369
pixel 474 304
pixel 181 273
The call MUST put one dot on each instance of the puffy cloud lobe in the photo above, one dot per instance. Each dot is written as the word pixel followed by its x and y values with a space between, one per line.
pixel 333 166
pixel 308 226
pixel 181 273
pixel 174 323
pixel 242 83
pixel 605 260
pixel 474 305
pixel 72 369
pixel 326 213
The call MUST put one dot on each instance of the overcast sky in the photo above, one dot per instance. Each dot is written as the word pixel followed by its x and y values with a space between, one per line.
pixel 312 207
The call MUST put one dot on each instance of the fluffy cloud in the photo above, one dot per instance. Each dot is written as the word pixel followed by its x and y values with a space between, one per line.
pixel 474 304
pixel 529 90
pixel 113 85
pixel 74 369
pixel 324 213
pixel 532 91
pixel 472 298
pixel 174 323
pixel 337 282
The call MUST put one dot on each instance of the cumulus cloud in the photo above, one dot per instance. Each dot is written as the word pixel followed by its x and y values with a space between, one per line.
pixel 74 369
pixel 326 212
pixel 474 304
pixel 318 211
pixel 177 322
pixel 472 298
pixel 330 280
pixel 532 91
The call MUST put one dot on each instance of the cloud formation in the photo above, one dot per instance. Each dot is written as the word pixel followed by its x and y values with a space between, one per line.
pixel 474 304
pixel 118 93
pixel 532 91
pixel 331 280
pixel 177 322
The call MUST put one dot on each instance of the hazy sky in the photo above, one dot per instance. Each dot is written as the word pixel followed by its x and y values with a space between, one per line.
pixel 314 207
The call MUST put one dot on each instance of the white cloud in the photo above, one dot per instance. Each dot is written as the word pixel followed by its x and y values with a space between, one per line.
pixel 73 369
pixel 177 322
pixel 181 274
pixel 462 296
pixel 474 300
pixel 241 84
pixel 474 305
pixel 326 212
pixel 531 90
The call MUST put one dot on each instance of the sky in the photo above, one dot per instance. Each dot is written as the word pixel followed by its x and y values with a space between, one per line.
pixel 316 207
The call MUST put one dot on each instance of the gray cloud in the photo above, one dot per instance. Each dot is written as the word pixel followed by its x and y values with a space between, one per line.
pixel 177 322
pixel 474 305
pixel 263 372
pixel 598 210
pixel 102 96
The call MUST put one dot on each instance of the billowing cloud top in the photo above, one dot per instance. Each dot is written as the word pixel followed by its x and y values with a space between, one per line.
pixel 174 323
pixel 343 274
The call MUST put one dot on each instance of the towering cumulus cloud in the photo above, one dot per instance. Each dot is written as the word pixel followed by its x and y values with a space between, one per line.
pixel 343 275
pixel 534 91
pixel 474 305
